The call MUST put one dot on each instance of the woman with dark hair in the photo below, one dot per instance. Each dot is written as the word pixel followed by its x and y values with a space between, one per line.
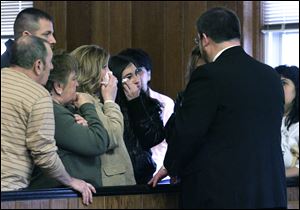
pixel 143 126
pixel 290 122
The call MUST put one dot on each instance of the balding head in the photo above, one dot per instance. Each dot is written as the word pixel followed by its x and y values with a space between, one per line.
pixel 27 49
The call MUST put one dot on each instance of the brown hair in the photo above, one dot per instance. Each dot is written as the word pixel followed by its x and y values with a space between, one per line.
pixel 63 65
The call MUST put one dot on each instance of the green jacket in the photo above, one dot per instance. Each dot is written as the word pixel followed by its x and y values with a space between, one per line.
pixel 79 146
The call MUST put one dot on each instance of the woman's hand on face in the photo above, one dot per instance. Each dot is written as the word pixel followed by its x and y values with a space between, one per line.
pixel 131 90
pixel 82 98
pixel 109 90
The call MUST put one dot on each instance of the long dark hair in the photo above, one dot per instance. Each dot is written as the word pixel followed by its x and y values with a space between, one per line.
pixel 292 73
pixel 117 64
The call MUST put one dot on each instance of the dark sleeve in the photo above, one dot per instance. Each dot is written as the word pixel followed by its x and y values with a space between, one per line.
pixel 191 122
pixel 91 140
pixel 146 121
pixel 5 59
pixel 6 56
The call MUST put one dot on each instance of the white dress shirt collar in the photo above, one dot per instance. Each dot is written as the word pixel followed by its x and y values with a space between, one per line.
pixel 220 52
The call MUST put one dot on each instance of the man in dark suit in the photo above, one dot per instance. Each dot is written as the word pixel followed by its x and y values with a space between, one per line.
pixel 225 142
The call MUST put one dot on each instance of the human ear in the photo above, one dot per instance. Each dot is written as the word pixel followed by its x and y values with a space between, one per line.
pixel 38 67
pixel 204 39
pixel 25 33
pixel 58 88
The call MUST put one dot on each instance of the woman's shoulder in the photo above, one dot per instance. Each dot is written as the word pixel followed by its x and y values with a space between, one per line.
pixel 63 112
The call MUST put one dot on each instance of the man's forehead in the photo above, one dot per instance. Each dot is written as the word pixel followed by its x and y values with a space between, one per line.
pixel 45 23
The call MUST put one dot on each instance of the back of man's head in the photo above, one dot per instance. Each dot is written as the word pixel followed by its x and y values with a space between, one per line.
pixel 28 20
pixel 220 24
pixel 141 58
pixel 26 50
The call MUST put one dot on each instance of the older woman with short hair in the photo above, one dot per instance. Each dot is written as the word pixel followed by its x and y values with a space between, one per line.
pixel 79 146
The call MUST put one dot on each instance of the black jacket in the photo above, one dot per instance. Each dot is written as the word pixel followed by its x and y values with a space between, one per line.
pixel 143 129
pixel 226 139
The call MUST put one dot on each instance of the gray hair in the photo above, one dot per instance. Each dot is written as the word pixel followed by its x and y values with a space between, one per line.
pixel 27 49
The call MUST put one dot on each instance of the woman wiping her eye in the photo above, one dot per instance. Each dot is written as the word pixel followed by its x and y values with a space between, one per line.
pixel 95 78
pixel 143 126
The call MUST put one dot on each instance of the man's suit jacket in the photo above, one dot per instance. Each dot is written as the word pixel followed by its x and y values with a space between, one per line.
pixel 226 141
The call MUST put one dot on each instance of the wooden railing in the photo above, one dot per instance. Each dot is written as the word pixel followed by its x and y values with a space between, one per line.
pixel 121 197
pixel 293 192
pixel 132 197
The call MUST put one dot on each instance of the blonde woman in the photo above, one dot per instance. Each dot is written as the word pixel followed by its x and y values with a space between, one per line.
pixel 95 78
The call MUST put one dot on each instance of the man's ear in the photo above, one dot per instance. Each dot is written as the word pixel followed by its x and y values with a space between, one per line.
pixel 38 67
pixel 205 40
pixel 26 33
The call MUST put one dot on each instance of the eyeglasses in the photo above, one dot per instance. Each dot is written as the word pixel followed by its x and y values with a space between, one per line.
pixel 130 75
pixel 138 70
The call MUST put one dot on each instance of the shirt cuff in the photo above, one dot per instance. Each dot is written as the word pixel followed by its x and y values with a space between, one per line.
pixel 106 101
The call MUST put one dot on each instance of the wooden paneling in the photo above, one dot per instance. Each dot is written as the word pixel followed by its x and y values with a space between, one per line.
pixel 120 26
pixel 140 201
pixel 59 203
pixel 31 204
pixel 293 197
pixel 257 36
pixel 8 204
pixel 174 69
pixel 164 201
pixel 124 202
pixel 164 29
pixel 146 201
pixel 148 29
pixel 78 24
pixel 228 4
pixel 192 10
pixel 74 203
pixel 57 9
pixel 98 203
pixel 100 20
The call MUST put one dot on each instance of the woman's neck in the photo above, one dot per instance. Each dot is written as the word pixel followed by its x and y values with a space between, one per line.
pixel 56 100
